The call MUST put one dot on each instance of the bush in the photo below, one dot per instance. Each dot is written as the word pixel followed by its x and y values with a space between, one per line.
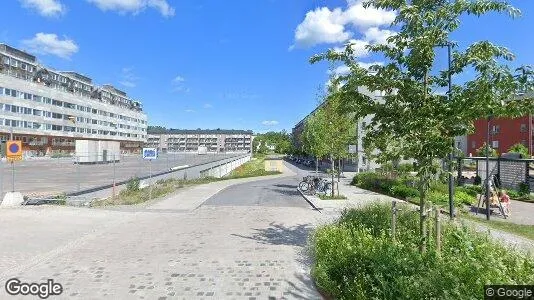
pixel 462 197
pixel 356 259
pixel 524 188
pixel 404 192
pixel 513 194
pixel 472 190
pixel 133 184
pixel 405 168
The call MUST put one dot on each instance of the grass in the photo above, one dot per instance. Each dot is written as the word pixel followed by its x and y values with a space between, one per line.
pixel 253 168
pixel 328 197
pixel 133 195
pixel 526 231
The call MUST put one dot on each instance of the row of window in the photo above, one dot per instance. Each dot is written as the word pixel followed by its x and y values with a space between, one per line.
pixel 53 115
pixel 46 100
pixel 64 128
pixel 497 128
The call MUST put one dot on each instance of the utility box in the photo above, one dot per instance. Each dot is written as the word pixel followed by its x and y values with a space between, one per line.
pixel 202 150
pixel 94 152
pixel 273 165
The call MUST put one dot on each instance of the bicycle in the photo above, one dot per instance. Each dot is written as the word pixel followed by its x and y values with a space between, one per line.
pixel 312 185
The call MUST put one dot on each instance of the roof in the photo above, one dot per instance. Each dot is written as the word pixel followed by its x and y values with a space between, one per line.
pixel 199 131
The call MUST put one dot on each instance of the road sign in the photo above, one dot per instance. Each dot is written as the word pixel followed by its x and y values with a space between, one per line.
pixel 14 150
pixel 150 153
pixel 352 149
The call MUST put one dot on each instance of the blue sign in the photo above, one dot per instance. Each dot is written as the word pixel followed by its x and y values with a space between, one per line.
pixel 150 153
pixel 14 148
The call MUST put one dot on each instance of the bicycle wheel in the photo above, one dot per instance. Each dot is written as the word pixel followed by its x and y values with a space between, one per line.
pixel 304 186
pixel 327 188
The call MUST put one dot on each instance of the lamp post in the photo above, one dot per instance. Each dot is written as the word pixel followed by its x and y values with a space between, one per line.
pixel 451 154
pixel 487 182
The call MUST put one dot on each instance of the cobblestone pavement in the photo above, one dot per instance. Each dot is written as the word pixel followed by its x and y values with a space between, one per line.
pixel 211 252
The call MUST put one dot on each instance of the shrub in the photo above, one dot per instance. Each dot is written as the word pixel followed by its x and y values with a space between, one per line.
pixel 513 194
pixel 404 192
pixel 462 197
pixel 405 168
pixel 356 259
pixel 133 184
pixel 524 188
pixel 471 190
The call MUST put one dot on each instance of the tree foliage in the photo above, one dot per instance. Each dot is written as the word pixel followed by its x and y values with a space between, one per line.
pixel 520 148
pixel 280 140
pixel 483 150
pixel 422 124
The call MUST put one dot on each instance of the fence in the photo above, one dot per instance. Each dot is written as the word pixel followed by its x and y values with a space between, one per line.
pixel 511 172
pixel 46 177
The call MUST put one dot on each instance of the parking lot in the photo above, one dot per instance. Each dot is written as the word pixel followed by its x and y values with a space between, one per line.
pixel 57 175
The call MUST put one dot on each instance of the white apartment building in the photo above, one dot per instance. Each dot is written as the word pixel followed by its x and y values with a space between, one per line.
pixel 220 141
pixel 48 110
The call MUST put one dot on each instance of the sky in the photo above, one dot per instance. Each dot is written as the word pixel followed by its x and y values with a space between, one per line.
pixel 236 64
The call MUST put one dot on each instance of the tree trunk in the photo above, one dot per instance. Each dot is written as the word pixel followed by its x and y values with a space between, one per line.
pixel 332 169
pixel 316 166
pixel 422 217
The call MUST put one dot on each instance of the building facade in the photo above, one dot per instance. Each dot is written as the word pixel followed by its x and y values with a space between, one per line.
pixel 360 161
pixel 504 133
pixel 48 110
pixel 216 141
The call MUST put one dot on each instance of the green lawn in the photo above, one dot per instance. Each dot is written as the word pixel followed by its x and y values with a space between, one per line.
pixel 253 168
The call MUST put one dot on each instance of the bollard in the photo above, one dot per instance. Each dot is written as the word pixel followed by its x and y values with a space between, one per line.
pixel 393 220
pixel 438 229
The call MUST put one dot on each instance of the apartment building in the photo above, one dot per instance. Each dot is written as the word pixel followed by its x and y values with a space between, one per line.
pixel 48 110
pixel 219 141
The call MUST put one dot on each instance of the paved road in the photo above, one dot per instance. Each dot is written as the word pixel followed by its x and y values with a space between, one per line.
pixel 276 193
pixel 172 249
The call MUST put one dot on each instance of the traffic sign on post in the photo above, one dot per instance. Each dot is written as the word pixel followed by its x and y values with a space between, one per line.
pixel 14 150
pixel 150 153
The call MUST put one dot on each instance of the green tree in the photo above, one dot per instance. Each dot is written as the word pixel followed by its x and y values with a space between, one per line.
pixel 422 123
pixel 520 148
pixel 329 131
pixel 482 151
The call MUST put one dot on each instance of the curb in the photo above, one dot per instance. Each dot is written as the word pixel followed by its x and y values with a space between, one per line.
pixel 308 199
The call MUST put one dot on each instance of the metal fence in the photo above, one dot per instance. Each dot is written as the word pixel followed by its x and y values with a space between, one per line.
pixel 44 177
pixel 510 172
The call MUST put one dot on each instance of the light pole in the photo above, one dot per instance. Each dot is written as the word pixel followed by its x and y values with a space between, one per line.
pixel 449 95
pixel 487 182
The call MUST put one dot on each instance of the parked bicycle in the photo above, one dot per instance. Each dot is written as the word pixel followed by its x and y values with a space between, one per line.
pixel 312 185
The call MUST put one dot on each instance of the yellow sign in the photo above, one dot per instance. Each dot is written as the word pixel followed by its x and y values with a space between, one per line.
pixel 14 150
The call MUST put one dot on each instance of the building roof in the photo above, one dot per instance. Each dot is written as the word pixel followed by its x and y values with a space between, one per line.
pixel 198 131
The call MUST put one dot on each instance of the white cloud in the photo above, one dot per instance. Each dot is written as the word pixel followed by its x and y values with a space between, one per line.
pixel 47 8
pixel 189 111
pixel 270 123
pixel 128 77
pixel 49 43
pixel 367 65
pixel 362 17
pixel 323 25
pixel 134 6
pixel 178 79
pixel 358 46
pixel 378 36
pixel 207 106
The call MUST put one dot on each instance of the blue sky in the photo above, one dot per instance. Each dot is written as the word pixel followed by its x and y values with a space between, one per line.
pixel 236 64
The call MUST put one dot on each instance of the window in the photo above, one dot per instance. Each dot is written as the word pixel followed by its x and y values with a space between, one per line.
pixel 495 144
pixel 57 127
pixel 496 129
pixel 523 127
pixel 473 144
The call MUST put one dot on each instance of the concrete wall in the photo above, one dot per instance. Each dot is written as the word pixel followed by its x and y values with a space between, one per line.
pixel 216 169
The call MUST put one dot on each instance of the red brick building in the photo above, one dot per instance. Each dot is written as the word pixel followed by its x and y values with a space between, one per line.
pixel 504 133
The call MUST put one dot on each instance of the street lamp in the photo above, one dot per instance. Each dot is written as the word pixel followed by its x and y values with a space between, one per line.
pixel 449 95
pixel 487 182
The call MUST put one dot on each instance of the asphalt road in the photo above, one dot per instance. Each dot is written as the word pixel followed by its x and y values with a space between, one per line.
pixel 280 192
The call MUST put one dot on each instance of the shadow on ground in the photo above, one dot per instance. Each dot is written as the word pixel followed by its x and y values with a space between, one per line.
pixel 278 234
pixel 286 192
